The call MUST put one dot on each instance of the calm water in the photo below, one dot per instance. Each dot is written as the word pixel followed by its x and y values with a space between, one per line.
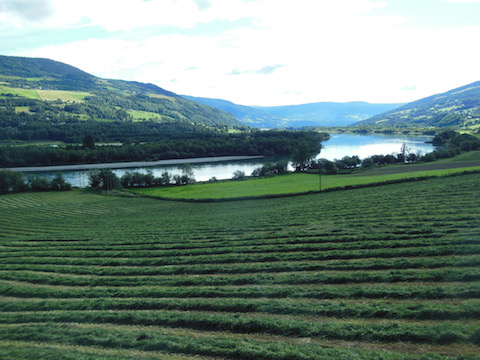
pixel 338 146
pixel 363 146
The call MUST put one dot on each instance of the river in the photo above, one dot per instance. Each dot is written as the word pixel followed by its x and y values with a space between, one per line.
pixel 338 146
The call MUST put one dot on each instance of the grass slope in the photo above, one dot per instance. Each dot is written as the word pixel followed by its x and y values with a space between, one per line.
pixel 375 273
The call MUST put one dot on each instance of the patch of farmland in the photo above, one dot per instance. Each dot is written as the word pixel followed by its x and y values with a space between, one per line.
pixel 390 272
pixel 28 93
pixel 139 115
pixel 66 96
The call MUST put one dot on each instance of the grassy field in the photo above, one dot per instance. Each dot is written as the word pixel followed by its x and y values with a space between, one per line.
pixel 301 183
pixel 49 95
pixel 28 93
pixel 389 272
pixel 143 115
pixel 71 96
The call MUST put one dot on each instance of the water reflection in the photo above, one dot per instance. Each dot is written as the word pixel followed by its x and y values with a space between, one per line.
pixel 363 146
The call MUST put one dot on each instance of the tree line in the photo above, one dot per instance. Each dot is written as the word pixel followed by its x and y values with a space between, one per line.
pixel 14 181
pixel 269 143
pixel 106 179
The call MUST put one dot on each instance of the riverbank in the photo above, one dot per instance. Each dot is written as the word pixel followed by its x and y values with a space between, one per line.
pixel 132 164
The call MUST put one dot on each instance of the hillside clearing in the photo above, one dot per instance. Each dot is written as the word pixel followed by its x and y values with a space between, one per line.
pixel 66 96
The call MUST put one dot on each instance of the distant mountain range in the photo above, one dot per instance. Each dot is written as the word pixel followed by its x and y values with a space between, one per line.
pixel 52 89
pixel 313 114
pixel 456 108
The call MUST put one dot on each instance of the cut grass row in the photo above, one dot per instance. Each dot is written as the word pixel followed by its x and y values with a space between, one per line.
pixel 435 333
pixel 276 249
pixel 461 290
pixel 223 346
pixel 395 237
pixel 255 268
pixel 16 350
pixel 371 309
pixel 252 258
pixel 292 278
pixel 334 237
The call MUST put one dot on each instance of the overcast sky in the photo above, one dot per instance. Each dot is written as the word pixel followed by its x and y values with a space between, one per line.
pixel 258 52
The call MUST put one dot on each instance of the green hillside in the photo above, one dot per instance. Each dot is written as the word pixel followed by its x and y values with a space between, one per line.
pixel 457 108
pixel 390 272
pixel 40 96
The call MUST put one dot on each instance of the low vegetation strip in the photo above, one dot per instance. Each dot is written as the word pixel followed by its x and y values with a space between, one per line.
pixel 320 276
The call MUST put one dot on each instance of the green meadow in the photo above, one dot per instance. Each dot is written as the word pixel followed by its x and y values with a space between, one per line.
pixel 139 115
pixel 47 95
pixel 385 272
pixel 303 183
pixel 28 93
pixel 66 96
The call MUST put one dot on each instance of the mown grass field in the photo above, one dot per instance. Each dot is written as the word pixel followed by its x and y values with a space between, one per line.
pixel 387 272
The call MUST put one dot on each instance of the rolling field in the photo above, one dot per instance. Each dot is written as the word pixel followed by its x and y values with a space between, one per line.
pixel 388 272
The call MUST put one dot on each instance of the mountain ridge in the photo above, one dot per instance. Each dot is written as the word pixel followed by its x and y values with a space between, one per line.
pixel 310 114
pixel 459 107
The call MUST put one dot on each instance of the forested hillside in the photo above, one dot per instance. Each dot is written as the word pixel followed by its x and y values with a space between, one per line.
pixel 42 99
pixel 457 108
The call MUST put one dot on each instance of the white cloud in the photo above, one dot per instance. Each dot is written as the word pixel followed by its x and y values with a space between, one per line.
pixel 295 52
pixel 17 12
pixel 124 15
pixel 463 1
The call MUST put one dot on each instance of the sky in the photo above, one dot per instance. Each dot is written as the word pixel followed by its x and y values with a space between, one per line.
pixel 258 52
